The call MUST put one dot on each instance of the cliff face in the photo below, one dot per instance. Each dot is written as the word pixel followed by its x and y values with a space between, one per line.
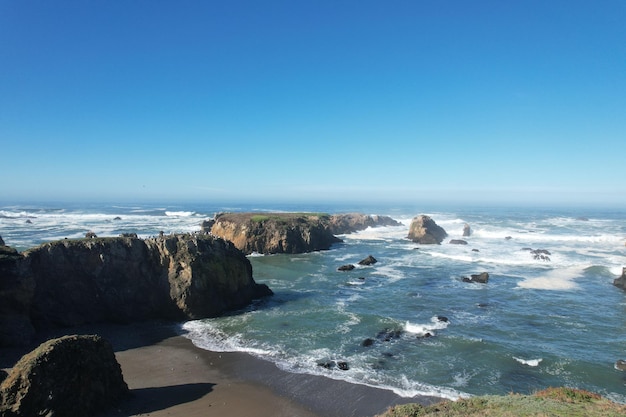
pixel 289 232
pixel 126 279
pixel 274 232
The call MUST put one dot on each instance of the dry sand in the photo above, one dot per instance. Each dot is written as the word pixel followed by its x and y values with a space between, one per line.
pixel 169 376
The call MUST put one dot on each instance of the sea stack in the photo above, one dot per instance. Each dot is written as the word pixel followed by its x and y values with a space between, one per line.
pixel 424 230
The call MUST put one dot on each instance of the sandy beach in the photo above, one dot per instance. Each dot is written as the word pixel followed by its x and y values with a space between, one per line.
pixel 169 376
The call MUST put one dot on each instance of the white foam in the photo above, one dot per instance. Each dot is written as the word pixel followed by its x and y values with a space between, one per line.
pixel 529 362
pixel 557 279
pixel 179 213
pixel 428 328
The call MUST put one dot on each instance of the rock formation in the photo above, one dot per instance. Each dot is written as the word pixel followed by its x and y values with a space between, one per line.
pixel 123 279
pixel 275 232
pixel 481 278
pixel 1 241
pixel 466 230
pixel 424 230
pixel 340 224
pixel 621 281
pixel 458 242
pixel 370 260
pixel 69 376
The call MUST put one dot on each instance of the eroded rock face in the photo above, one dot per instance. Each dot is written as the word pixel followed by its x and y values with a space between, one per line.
pixel 69 376
pixel 275 232
pixel 123 279
pixel 424 230
pixel 352 222
pixel 289 232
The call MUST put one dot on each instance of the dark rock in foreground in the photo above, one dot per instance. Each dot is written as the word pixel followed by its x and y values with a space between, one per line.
pixel 73 282
pixel 424 230
pixel 69 376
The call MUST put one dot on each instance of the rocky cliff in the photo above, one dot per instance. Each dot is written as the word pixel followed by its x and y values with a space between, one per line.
pixel 621 281
pixel 288 232
pixel 72 282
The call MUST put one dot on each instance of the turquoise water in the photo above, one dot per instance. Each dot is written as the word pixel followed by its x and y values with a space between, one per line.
pixel 535 324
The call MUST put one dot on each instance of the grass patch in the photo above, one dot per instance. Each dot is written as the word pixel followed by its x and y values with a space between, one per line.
pixel 554 402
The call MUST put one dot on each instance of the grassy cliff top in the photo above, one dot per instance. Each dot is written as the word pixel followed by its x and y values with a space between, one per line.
pixel 554 402
pixel 260 217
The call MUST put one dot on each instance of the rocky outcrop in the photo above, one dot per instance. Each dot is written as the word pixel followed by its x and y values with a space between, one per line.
pixel 466 230
pixel 125 279
pixel 69 376
pixel 275 232
pixel 424 230
pixel 458 242
pixel 621 281
pixel 481 278
pixel 370 260
pixel 1 241
pixel 347 267
pixel 340 224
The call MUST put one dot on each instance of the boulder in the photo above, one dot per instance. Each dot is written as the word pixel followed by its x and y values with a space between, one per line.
pixel 348 267
pixel 424 230
pixel 621 281
pixel 69 376
pixel 458 242
pixel 466 230
pixel 481 278
pixel 370 260
pixel 620 365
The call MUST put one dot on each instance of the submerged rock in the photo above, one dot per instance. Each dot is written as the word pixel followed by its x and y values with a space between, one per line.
pixel 481 278
pixel 458 242
pixel 69 376
pixel 424 230
pixel 370 260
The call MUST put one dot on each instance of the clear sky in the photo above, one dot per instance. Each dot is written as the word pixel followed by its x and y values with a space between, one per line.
pixel 439 100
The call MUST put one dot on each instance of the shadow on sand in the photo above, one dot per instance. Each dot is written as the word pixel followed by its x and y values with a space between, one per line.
pixel 148 400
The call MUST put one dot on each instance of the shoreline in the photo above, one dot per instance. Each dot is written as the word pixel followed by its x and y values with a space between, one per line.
pixel 169 376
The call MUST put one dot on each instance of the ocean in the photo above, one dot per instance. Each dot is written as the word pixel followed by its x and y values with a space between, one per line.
pixel 409 323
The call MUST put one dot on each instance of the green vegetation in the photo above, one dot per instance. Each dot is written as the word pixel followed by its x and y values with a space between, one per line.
pixel 282 217
pixel 554 402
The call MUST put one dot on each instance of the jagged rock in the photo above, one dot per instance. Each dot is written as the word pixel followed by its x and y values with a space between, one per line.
pixel 90 235
pixel 352 222
pixel 621 281
pixel 1 241
pixel 206 225
pixel 466 230
pixel 458 242
pixel 69 376
pixel 124 279
pixel 481 278
pixel 424 230
pixel 541 254
pixel 127 279
pixel 275 232
pixel 370 260
pixel 117 218
pixel 348 267
pixel 387 335
pixel 131 235
pixel 343 366
pixel 3 375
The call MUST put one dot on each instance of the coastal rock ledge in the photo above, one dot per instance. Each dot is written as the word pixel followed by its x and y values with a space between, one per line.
pixel 621 281
pixel 124 279
pixel 270 233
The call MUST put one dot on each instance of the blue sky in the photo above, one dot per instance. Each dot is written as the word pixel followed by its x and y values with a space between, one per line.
pixel 440 100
